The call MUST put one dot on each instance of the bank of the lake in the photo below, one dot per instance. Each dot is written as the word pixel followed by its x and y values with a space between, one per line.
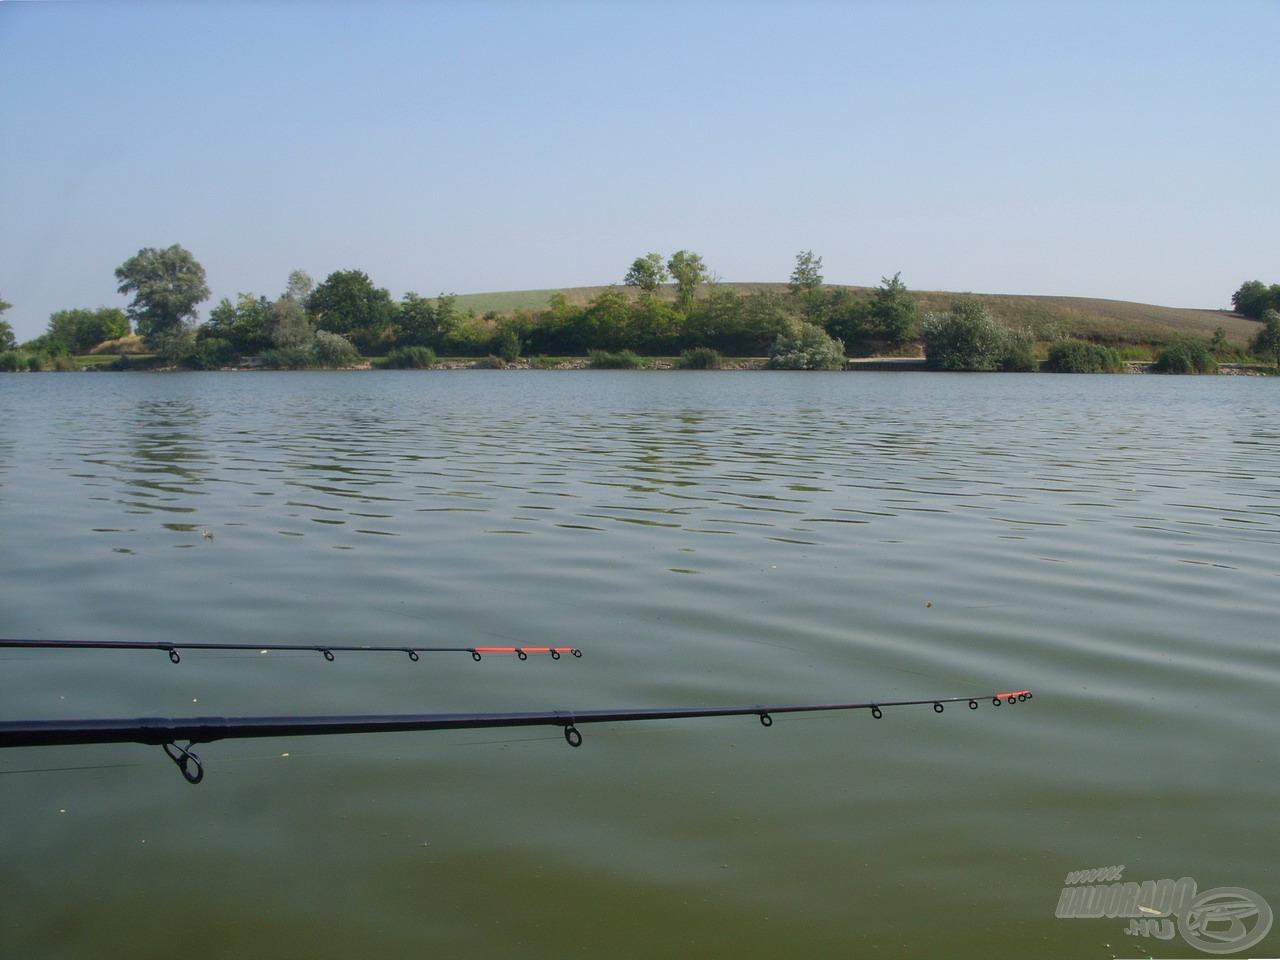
pixel 895 364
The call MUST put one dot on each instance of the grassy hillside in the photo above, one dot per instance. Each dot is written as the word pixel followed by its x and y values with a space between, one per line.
pixel 1113 321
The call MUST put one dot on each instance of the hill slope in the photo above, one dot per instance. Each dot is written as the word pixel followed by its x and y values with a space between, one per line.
pixel 1115 321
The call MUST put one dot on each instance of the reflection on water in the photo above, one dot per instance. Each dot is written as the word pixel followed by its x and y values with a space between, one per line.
pixel 703 538
pixel 723 469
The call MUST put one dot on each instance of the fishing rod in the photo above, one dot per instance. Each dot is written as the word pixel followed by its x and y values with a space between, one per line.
pixel 166 732
pixel 327 649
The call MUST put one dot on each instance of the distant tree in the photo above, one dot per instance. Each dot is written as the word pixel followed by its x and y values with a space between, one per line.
pixel 1267 341
pixel 1078 356
pixel 806 287
pixel 347 303
pixel 333 351
pixel 1019 354
pixel 472 336
pixel 715 321
pixel 1250 298
pixel 606 321
pixel 807 275
pixel 59 335
pixel 1219 345
pixel 174 346
pixel 245 325
pixel 893 311
pixel 654 326
pixel 763 317
pixel 105 323
pixel 846 315
pixel 688 271
pixel 558 304
pixel 167 285
pixel 423 322
pixel 299 287
pixel 289 327
pixel 212 353
pixel 1185 355
pixel 806 346
pixel 1254 298
pixel 7 341
pixel 78 331
pixel 557 328
pixel 415 321
pixel 458 330
pixel 506 345
pixel 647 272
pixel 964 338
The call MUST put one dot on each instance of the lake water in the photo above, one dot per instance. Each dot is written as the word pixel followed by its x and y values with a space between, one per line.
pixel 1112 543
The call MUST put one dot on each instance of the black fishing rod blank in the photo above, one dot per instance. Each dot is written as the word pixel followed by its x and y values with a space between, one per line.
pixel 166 733
pixel 326 649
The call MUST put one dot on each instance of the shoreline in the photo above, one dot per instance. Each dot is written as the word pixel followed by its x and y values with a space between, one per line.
pixel 852 365
pixel 858 365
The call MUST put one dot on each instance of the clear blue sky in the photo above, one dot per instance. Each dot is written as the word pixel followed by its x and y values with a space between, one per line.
pixel 1119 149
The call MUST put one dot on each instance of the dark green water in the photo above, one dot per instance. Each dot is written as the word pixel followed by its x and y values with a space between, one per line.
pixel 1112 543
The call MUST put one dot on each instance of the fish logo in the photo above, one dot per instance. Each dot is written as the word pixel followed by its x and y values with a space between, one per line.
pixel 1225 920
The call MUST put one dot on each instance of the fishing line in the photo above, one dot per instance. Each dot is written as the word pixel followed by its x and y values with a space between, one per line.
pixel 96 766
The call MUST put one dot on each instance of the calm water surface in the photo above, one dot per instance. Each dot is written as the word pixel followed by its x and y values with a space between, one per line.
pixel 1111 542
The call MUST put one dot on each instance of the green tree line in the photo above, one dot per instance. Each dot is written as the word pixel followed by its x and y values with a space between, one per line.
pixel 664 306
pixel 1254 298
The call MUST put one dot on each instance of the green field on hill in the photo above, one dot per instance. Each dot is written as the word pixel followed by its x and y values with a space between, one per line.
pixel 1107 321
